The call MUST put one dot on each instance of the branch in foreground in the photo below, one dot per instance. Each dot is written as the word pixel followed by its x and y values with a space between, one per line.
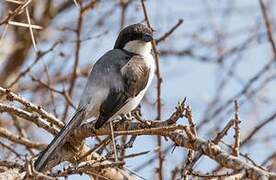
pixel 209 149
pixel 30 106
pixel 34 118
pixel 21 140
pixel 181 135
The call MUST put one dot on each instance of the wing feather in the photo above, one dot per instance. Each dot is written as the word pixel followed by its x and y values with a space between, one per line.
pixel 134 75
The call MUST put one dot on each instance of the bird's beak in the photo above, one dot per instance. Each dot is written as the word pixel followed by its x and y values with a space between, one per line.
pixel 147 38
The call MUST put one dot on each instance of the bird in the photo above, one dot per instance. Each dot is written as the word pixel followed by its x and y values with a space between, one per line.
pixel 116 85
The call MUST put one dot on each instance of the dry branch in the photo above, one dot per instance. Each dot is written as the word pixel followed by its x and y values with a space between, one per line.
pixel 158 89
pixel 34 118
pixel 4 133
pixel 30 107
pixel 179 134
pixel 236 148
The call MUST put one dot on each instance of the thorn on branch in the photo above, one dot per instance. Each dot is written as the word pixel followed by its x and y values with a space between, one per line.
pixel 179 113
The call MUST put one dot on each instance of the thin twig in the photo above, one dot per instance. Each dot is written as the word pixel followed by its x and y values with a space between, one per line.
pixel 179 113
pixel 189 160
pixel 216 140
pixel 35 119
pixel 29 106
pixel 16 11
pixel 167 34
pixel 76 3
pixel 236 148
pixel 113 141
pixel 61 92
pixel 21 24
pixel 96 148
pixel 189 116
pixel 159 81
pixel 14 1
pixel 30 28
pixel 268 27
pixel 20 140
pixel 258 127
pixel 39 56
pixel 77 59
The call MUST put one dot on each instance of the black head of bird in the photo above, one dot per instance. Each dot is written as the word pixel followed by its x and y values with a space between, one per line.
pixel 139 33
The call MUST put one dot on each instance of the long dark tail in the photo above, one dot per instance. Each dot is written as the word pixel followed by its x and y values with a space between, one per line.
pixel 59 140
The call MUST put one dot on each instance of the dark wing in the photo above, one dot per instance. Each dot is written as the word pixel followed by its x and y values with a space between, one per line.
pixel 135 76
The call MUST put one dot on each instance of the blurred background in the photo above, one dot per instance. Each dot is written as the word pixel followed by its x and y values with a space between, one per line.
pixel 220 53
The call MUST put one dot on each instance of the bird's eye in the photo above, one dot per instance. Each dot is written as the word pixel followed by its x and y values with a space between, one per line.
pixel 147 37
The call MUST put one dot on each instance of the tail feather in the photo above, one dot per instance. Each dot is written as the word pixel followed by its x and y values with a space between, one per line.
pixel 100 122
pixel 59 140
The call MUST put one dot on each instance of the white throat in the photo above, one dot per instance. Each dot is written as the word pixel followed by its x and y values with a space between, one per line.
pixel 138 47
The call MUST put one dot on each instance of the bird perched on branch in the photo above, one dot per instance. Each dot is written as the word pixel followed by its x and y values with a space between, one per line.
pixel 116 85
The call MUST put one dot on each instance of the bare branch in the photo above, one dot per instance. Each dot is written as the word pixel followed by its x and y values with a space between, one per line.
pixel 21 140
pixel 167 34
pixel 236 149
